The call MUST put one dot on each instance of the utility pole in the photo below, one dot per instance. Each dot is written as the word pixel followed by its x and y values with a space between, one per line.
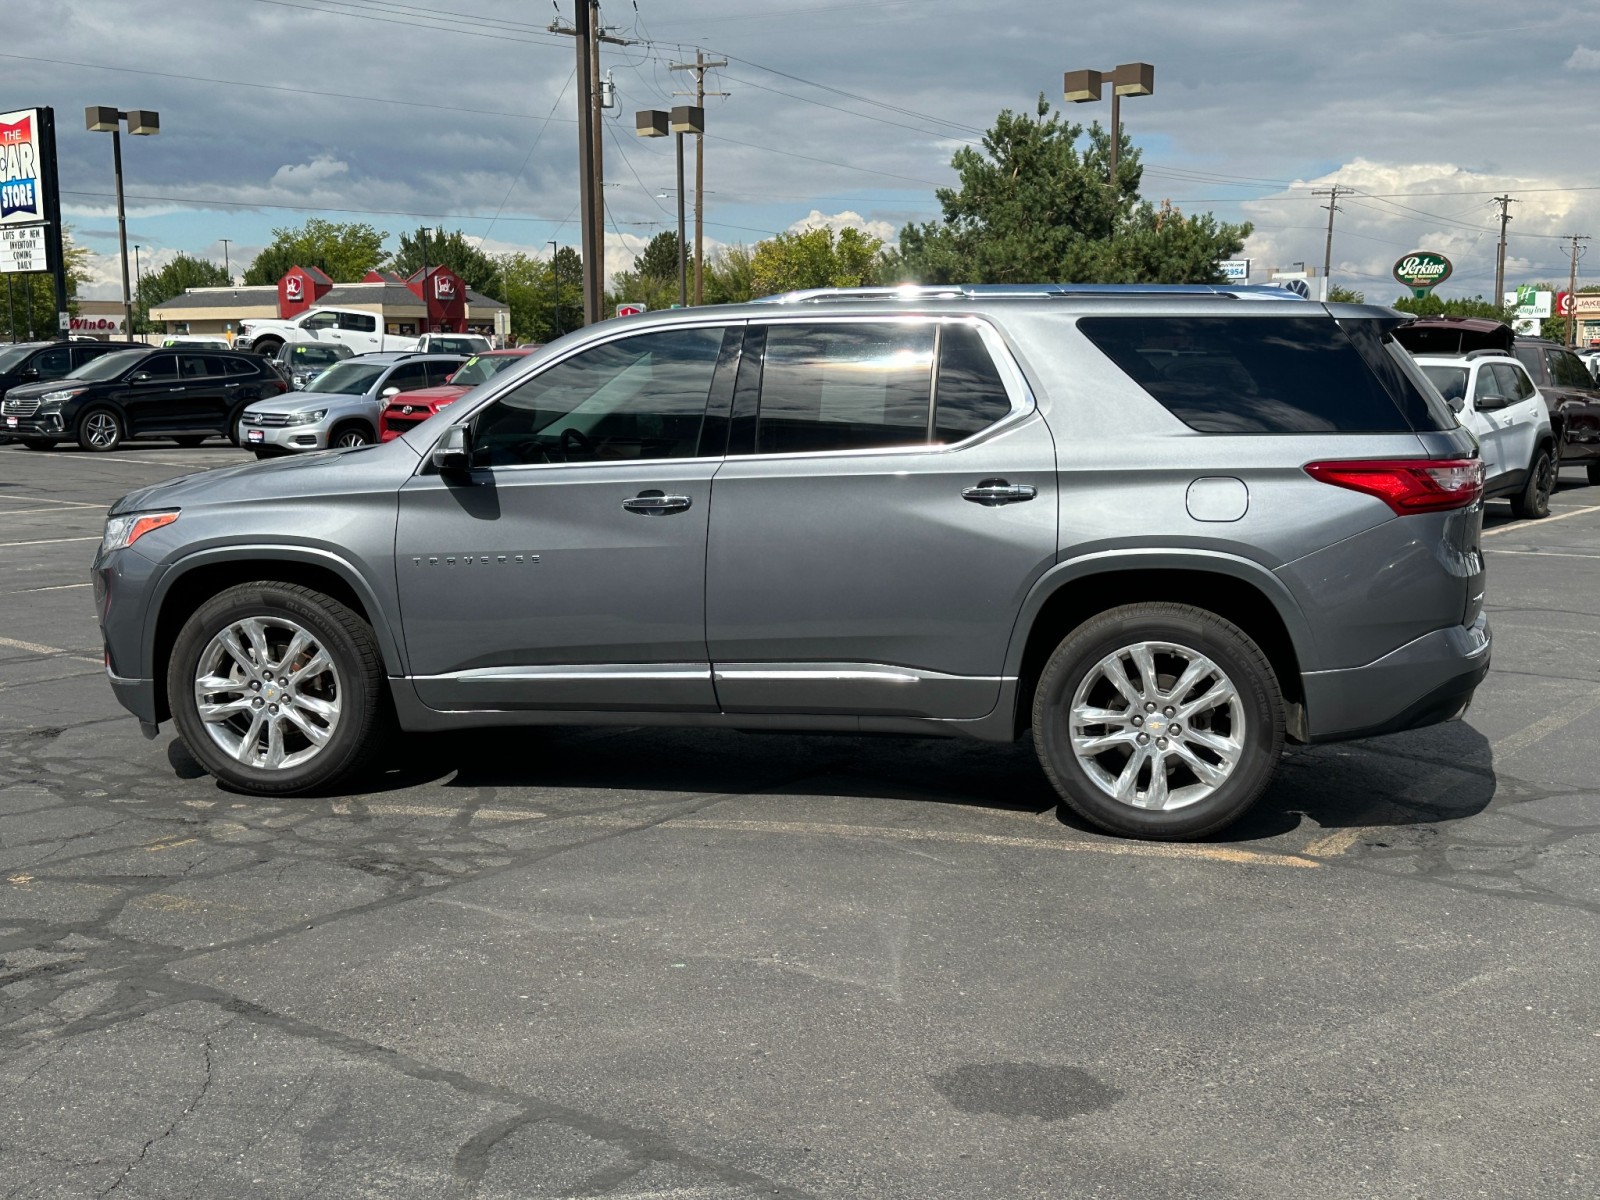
pixel 1505 203
pixel 1571 338
pixel 226 265
pixel 699 66
pixel 1333 193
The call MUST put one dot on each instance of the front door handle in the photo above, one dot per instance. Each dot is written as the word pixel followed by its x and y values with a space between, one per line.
pixel 655 504
pixel 992 492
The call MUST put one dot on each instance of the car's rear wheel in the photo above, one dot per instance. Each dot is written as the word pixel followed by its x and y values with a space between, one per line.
pixel 1158 720
pixel 1533 501
pixel 100 430
pixel 278 689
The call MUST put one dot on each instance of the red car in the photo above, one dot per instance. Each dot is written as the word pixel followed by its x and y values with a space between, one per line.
pixel 410 409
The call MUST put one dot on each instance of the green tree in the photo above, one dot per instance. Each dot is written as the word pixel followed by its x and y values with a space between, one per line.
pixel 1432 306
pixel 1033 207
pixel 816 258
pixel 178 276
pixel 1339 294
pixel 343 250
pixel 653 279
pixel 730 275
pixel 436 248
pixel 539 298
pixel 659 259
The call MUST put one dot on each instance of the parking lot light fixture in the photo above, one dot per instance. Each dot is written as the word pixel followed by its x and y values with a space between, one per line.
pixel 1130 79
pixel 685 118
pixel 142 122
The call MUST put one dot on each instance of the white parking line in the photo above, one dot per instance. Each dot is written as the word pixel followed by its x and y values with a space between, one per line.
pixel 58 512
pixel 8 497
pixel 1543 553
pixel 55 587
pixel 37 648
pixel 50 542
pixel 1530 527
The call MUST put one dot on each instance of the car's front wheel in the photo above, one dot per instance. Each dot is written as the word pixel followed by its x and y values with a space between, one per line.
pixel 1158 720
pixel 278 689
pixel 100 430
pixel 347 436
pixel 1533 501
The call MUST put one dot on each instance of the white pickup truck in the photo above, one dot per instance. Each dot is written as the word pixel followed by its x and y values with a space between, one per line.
pixel 361 331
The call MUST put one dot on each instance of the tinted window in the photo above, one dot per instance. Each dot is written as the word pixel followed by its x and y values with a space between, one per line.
pixel 322 320
pixel 198 366
pixel 640 397
pixel 408 377
pixel 1568 371
pixel 83 354
pixel 1514 382
pixel 53 364
pixel 347 378
pixel 438 372
pixel 1451 381
pixel 12 356
pixel 970 395
pixel 1490 385
pixel 1530 357
pixel 240 366
pixel 304 355
pixel 844 387
pixel 108 366
pixel 1251 374
pixel 162 367
pixel 360 322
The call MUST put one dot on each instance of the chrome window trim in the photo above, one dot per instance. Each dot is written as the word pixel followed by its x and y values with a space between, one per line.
pixel 580 672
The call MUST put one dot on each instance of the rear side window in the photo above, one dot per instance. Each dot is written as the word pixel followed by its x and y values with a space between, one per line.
pixel 969 395
pixel 844 387
pixel 359 322
pixel 1255 374
pixel 1514 382
pixel 1568 371
pixel 1530 357
pixel 239 366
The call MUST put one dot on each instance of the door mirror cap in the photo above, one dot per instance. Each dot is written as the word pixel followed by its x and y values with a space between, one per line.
pixel 30 373
pixel 1458 404
pixel 1490 403
pixel 391 391
pixel 451 454
pixel 141 377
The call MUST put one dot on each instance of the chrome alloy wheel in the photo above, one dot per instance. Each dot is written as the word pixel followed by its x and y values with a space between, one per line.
pixel 268 693
pixel 350 437
pixel 1157 726
pixel 101 430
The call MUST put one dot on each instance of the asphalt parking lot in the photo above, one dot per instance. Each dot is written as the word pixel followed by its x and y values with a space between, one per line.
pixel 636 963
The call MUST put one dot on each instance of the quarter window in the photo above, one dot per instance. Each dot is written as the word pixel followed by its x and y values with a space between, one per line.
pixel 641 397
pixel 1567 370
pixel 844 387
pixel 970 395
pixel 239 366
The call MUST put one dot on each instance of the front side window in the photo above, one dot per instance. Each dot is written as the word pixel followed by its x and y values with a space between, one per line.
pixel 358 322
pixel 1252 374
pixel 641 397
pixel 158 368
pixel 844 387
pixel 53 364
pixel 321 320
pixel 1490 385
pixel 408 377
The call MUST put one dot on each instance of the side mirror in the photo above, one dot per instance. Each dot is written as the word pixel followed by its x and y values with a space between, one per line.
pixel 31 373
pixel 391 391
pixel 141 377
pixel 1490 402
pixel 451 454
pixel 1457 404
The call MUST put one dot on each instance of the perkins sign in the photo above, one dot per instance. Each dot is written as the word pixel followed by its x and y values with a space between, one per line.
pixel 21 194
pixel 1421 270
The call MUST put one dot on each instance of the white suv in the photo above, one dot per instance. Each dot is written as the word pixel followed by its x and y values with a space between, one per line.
pixel 1494 397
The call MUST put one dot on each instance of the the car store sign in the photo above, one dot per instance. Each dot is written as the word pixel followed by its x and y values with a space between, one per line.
pixel 1422 270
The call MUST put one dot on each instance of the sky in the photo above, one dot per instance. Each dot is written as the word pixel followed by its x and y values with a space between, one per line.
pixel 462 113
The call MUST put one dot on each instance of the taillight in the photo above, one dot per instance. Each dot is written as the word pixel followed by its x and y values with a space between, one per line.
pixel 1408 485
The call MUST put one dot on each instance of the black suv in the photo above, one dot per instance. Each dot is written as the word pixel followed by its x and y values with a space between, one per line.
pixel 1573 397
pixel 31 362
pixel 186 395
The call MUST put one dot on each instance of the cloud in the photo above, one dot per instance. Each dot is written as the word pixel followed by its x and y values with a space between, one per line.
pixel 1584 59
pixel 302 175
pixel 848 219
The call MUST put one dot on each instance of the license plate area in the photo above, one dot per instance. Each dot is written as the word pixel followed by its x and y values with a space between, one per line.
pixel 255 435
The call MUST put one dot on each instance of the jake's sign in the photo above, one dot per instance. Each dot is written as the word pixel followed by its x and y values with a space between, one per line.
pixel 21 192
pixel 1421 270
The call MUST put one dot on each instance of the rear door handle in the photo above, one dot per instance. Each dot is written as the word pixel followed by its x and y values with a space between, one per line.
pixel 655 504
pixel 992 492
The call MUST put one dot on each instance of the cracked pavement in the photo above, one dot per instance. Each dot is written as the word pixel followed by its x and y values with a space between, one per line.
pixel 669 963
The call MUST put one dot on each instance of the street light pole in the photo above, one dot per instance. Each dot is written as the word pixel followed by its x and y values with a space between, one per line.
pixel 226 265
pixel 141 122
pixel 684 118
pixel 138 285
pixel 1129 79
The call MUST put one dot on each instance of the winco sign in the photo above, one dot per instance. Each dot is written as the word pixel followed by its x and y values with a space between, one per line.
pixel 1422 270
pixel 96 325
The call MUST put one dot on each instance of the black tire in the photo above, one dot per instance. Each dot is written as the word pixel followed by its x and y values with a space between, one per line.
pixel 1533 502
pixel 100 429
pixel 190 441
pixel 363 730
pixel 351 434
pixel 267 348
pixel 1076 663
pixel 235 436
pixel 1594 472
pixel 38 443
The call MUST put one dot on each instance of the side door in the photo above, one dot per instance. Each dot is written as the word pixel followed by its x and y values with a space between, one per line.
pixel 149 394
pixel 888 499
pixel 52 363
pixel 1522 424
pixel 1489 401
pixel 565 569
pixel 201 403
pixel 359 331
pixel 322 327
pixel 1580 402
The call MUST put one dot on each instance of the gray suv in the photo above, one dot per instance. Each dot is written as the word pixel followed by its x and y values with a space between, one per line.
pixel 1167 529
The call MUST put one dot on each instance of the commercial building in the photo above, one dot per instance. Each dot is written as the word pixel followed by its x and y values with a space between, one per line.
pixel 431 301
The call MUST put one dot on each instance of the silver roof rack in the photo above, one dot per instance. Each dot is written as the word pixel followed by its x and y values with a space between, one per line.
pixel 1033 291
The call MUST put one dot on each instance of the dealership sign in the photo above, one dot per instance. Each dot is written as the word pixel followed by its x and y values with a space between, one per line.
pixel 23 248
pixel 1422 270
pixel 21 192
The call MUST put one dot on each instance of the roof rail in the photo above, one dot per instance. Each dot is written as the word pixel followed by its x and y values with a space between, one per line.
pixel 1489 352
pixel 1033 291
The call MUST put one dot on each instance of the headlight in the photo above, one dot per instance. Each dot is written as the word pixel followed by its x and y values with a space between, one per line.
pixel 122 532
pixel 62 396
pixel 307 418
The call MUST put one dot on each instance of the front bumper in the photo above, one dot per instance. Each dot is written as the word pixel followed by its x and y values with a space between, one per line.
pixel 286 438
pixel 40 425
pixel 1424 682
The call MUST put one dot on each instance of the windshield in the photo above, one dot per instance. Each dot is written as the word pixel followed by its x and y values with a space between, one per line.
pixel 12 355
pixel 352 378
pixel 1451 381
pixel 107 366
pixel 313 356
pixel 481 369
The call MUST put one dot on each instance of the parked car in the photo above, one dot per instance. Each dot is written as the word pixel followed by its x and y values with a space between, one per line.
pixel 1167 528
pixel 358 329
pixel 342 405
pixel 195 341
pixel 301 362
pixel 1491 393
pixel 1590 355
pixel 185 395
pixel 33 362
pixel 1573 396
pixel 410 409
pixel 453 343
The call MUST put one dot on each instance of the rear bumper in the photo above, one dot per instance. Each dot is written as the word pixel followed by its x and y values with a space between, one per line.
pixel 1424 682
